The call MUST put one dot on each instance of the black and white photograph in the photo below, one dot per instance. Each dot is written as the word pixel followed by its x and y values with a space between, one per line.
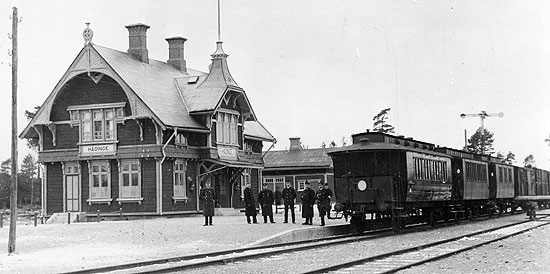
pixel 240 136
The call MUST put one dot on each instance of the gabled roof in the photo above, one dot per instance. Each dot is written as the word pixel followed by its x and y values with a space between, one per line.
pixel 154 83
pixel 255 130
pixel 166 93
pixel 303 158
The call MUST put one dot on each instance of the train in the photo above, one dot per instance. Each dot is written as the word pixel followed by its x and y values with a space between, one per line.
pixel 401 179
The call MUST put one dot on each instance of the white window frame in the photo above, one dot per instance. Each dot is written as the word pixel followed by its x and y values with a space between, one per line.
pixel 180 180
pixel 275 180
pixel 100 193
pixel 132 192
pixel 301 184
pixel 180 140
pixel 98 129
pixel 227 127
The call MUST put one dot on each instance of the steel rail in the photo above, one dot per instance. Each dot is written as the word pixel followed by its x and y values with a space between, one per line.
pixel 236 254
pixel 419 248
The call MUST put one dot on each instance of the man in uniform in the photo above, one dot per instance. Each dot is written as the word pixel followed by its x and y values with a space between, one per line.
pixel 289 194
pixel 329 194
pixel 266 199
pixel 308 199
pixel 249 204
pixel 208 197
pixel 323 202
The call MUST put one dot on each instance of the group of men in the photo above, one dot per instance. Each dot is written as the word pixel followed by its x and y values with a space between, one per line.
pixel 266 199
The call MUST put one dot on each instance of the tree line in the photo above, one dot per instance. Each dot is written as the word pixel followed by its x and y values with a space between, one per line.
pixel 481 142
pixel 29 188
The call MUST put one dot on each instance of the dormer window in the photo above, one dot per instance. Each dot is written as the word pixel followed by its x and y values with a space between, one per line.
pixel 97 123
pixel 227 127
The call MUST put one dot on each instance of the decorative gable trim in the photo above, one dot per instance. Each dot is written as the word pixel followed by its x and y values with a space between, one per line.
pixel 90 61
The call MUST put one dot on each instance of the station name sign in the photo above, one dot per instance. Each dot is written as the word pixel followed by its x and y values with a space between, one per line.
pixel 92 150
pixel 227 152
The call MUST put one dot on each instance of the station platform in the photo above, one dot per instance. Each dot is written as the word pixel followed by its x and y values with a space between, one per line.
pixel 55 248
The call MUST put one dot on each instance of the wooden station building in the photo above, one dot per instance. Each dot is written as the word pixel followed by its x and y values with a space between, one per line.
pixel 122 132
pixel 296 166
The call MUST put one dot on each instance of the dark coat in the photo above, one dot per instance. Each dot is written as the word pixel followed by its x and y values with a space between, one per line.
pixel 308 199
pixel 278 197
pixel 208 197
pixel 249 202
pixel 323 201
pixel 289 194
pixel 266 199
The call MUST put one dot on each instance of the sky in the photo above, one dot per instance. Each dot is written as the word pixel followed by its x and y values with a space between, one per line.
pixel 321 70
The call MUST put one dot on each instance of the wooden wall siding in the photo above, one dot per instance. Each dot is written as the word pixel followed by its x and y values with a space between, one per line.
pixel 166 136
pixel 168 188
pixel 197 139
pixel 129 134
pixel 149 185
pixel 240 136
pixel 81 90
pixel 148 190
pixel 66 137
pixel 54 190
pixel 194 139
pixel 213 134
pixel 257 146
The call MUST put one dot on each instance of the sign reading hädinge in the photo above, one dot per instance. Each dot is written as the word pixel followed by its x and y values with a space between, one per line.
pixel 227 152
pixel 92 150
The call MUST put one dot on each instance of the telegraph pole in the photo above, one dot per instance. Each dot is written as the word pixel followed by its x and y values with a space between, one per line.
pixel 13 197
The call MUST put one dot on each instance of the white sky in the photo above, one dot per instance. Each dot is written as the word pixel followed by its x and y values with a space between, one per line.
pixel 322 69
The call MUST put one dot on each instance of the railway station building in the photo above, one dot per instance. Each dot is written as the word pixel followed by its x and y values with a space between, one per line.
pixel 296 166
pixel 121 132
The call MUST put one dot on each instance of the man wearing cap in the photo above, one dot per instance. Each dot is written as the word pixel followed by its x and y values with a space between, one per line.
pixel 249 204
pixel 266 199
pixel 329 194
pixel 289 194
pixel 308 199
pixel 208 197
pixel 323 202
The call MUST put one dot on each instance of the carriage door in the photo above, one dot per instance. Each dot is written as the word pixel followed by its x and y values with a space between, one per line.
pixel 72 187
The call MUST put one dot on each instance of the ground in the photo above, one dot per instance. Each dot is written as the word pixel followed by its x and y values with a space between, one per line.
pixel 55 248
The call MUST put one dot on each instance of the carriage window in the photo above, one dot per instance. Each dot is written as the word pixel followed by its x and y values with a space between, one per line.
pixel 429 169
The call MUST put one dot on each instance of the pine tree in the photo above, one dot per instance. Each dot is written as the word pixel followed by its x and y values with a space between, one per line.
pixel 481 142
pixel 529 161
pixel 380 122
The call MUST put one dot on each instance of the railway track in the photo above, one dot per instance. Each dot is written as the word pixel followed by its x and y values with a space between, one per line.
pixel 399 260
pixel 199 261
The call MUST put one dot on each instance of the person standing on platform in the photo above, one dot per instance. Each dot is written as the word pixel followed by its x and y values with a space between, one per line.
pixel 249 204
pixel 323 202
pixel 266 199
pixel 208 197
pixel 308 199
pixel 329 194
pixel 278 197
pixel 289 194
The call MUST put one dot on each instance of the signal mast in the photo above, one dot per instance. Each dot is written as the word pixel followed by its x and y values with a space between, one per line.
pixel 482 115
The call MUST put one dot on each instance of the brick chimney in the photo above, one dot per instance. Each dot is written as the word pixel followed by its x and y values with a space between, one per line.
pixel 295 143
pixel 175 53
pixel 137 34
